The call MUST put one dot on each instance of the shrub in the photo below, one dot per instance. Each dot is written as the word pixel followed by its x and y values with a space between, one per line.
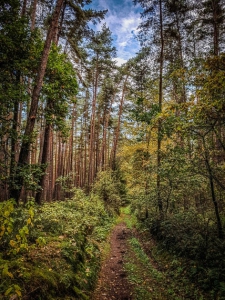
pixel 193 237
pixel 106 187
pixel 52 251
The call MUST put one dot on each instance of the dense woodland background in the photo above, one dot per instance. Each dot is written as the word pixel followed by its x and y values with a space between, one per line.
pixel 151 130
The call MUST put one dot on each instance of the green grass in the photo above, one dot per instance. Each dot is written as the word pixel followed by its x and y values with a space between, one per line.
pixel 146 279
pixel 127 217
pixel 159 275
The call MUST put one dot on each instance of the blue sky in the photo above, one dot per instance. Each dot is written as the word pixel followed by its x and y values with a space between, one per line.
pixel 122 19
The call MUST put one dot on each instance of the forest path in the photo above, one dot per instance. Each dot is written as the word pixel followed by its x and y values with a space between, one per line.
pixel 112 282
pixel 131 272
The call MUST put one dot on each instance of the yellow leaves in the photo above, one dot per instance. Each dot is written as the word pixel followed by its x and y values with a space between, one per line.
pixel 40 241
pixel 7 213
pixel 179 73
pixel 18 237
pixel 5 272
pixel 2 228
pixel 9 228
pixel 31 212
pixel 18 292
pixel 14 291
pixel 29 221
pixel 12 243
pixel 24 231
pixel 6 221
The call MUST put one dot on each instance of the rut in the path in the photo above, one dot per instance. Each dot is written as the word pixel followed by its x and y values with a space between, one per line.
pixel 113 283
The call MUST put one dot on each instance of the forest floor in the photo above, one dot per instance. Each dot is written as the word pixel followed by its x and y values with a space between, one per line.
pixel 113 282
pixel 127 272
pixel 132 270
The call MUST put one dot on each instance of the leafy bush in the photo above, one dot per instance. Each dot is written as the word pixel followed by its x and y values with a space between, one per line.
pixel 106 187
pixel 52 251
pixel 190 235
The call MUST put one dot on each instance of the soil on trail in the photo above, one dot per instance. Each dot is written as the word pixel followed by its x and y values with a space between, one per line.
pixel 113 283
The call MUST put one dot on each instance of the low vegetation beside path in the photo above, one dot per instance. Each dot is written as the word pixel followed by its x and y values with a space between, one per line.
pixel 52 251
pixel 157 270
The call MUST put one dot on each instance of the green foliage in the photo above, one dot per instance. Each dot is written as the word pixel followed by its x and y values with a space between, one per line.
pixel 191 236
pixel 15 226
pixel 144 116
pixel 129 218
pixel 106 188
pixel 19 53
pixel 60 87
pixel 31 175
pixel 52 251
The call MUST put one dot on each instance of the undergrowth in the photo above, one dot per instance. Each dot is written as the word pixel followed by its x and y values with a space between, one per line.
pixel 186 251
pixel 157 270
pixel 193 239
pixel 52 251
pixel 147 281
pixel 159 275
pixel 127 217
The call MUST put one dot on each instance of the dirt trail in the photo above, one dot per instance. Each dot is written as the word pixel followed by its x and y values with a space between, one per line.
pixel 113 283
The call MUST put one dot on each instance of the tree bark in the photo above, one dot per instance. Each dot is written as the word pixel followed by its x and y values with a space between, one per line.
pixel 33 14
pixel 92 133
pixel 159 140
pixel 211 181
pixel 117 131
pixel 41 194
pixel 27 141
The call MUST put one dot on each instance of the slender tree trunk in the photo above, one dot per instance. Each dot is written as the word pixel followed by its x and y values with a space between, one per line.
pixel 14 147
pixel 219 157
pixel 58 168
pixel 117 131
pixel 24 7
pixel 57 161
pixel 215 9
pixel 92 132
pixel 102 156
pixel 160 203
pixel 15 133
pixel 24 152
pixel 97 145
pixel 106 118
pixel 33 14
pixel 211 181
pixel 59 29
pixel 184 97
pixel 41 194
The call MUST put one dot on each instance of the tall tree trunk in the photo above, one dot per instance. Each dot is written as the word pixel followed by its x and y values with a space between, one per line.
pixel 215 9
pixel 159 199
pixel 184 97
pixel 15 133
pixel 27 141
pixel 92 132
pixel 24 7
pixel 33 14
pixel 106 118
pixel 41 194
pixel 214 200
pixel 219 157
pixel 117 131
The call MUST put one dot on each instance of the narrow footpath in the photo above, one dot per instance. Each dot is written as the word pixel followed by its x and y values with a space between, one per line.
pixel 113 283
pixel 131 271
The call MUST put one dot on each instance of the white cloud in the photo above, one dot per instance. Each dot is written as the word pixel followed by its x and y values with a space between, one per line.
pixel 120 61
pixel 122 19
pixel 124 28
